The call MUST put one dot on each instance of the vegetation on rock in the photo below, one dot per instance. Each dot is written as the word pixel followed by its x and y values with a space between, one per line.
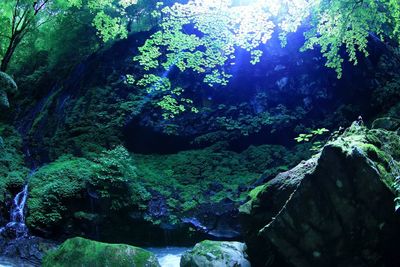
pixel 12 170
pixel 360 166
pixel 83 252
pixel 216 253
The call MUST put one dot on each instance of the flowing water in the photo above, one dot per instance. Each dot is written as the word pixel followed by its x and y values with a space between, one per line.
pixel 16 227
pixel 169 256
pixel 17 216
pixel 8 262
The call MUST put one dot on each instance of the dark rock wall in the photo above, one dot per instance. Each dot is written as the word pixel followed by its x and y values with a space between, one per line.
pixel 336 210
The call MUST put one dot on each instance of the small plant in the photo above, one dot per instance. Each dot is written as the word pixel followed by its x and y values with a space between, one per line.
pixel 313 137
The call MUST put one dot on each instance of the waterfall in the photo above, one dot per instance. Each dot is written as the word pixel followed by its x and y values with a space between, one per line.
pixel 17 220
pixel 16 228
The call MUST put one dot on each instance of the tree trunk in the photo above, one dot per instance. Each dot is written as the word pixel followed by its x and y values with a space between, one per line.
pixel 15 40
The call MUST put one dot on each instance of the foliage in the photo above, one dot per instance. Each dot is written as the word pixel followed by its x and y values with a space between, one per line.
pixel 57 188
pixel 189 179
pixel 313 136
pixel 54 187
pixel 344 23
pixel 12 169
pixel 204 36
pixel 222 29
pixel 115 179
pixel 37 20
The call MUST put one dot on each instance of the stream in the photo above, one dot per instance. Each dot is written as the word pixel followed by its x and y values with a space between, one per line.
pixel 11 262
pixel 168 256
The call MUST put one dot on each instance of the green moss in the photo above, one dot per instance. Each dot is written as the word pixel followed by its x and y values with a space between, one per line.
pixel 12 170
pixel 55 185
pixel 123 182
pixel 215 253
pixel 82 252
pixel 376 154
pixel 256 191
pixel 116 179
pixel 58 190
pixel 382 147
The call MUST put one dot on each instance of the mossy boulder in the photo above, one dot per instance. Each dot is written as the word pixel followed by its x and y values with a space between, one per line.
pixel 77 252
pixel 71 195
pixel 57 190
pixel 216 254
pixel 337 208
pixel 12 168
pixel 7 86
pixel 387 123
pixel 192 193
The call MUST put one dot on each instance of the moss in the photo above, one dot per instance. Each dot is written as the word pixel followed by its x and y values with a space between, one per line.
pixel 12 170
pixel 90 123
pixel 256 191
pixel 215 253
pixel 376 154
pixel 82 252
pixel 55 185
pixel 382 147
pixel 116 179
pixel 207 248
pixel 59 191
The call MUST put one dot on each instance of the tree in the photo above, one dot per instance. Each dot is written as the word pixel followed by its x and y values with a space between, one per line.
pixel 202 36
pixel 20 17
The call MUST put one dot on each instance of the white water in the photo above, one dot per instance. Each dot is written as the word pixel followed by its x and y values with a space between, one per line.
pixel 17 212
pixel 17 216
pixel 7 262
pixel 169 256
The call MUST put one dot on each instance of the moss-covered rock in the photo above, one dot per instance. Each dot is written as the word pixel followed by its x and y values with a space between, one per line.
pixel 196 191
pixel 7 86
pixel 62 193
pixel 56 191
pixel 12 167
pixel 338 207
pixel 78 252
pixel 216 254
pixel 387 123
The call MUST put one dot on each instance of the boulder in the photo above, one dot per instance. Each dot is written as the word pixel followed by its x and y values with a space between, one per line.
pixel 29 251
pixel 387 123
pixel 83 252
pixel 336 209
pixel 216 254
pixel 7 86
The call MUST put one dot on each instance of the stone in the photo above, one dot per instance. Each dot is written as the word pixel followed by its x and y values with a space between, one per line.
pixel 216 254
pixel 7 86
pixel 29 250
pixel 83 252
pixel 336 209
pixel 387 123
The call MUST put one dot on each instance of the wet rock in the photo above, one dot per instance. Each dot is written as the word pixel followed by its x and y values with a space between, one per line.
pixel 216 254
pixel 7 86
pixel 387 123
pixel 83 252
pixel 336 209
pixel 4 103
pixel 29 250
pixel 217 220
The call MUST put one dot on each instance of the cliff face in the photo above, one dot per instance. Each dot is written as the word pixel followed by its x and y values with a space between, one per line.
pixel 93 107
pixel 336 209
